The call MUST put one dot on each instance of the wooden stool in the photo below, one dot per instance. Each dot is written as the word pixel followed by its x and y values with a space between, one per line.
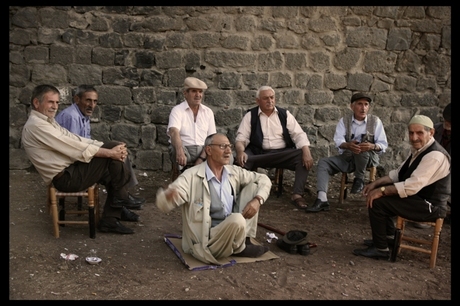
pixel 58 215
pixel 344 182
pixel 433 243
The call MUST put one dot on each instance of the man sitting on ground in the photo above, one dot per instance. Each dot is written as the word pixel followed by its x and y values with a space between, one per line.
pixel 220 205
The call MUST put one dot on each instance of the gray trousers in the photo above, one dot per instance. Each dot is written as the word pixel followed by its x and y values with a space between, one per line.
pixel 347 162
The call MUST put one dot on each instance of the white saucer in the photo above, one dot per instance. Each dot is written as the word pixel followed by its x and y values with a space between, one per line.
pixel 93 260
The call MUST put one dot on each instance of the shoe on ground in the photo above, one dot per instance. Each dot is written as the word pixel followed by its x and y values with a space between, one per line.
pixel 128 203
pixel 112 225
pixel 253 251
pixel 358 185
pixel 318 206
pixel 372 252
pixel 370 242
pixel 136 200
pixel 420 225
pixel 127 215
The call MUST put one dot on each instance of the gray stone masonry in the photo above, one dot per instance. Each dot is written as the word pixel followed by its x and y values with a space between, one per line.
pixel 315 57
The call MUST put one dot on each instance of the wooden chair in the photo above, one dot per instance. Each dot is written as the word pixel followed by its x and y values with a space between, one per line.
pixel 344 182
pixel 59 214
pixel 433 243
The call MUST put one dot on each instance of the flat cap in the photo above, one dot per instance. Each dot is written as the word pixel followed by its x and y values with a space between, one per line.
pixel 360 95
pixel 423 120
pixel 192 82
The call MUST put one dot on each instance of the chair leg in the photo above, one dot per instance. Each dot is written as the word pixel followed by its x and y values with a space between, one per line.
pixel 343 188
pixel 279 181
pixel 435 244
pixel 372 173
pixel 91 213
pixel 54 211
pixel 61 210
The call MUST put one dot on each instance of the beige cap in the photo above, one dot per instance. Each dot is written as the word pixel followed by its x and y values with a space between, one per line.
pixel 423 120
pixel 192 82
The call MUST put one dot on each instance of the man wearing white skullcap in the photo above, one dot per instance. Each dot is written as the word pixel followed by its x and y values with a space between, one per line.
pixel 417 190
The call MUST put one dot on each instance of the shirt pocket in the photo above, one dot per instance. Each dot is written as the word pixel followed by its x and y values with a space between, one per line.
pixel 196 211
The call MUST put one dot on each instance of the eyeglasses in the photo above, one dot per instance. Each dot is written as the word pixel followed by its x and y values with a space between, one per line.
pixel 222 146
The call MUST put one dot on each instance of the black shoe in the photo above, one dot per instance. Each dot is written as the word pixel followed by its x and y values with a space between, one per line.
pixel 358 185
pixel 136 200
pixel 253 251
pixel 127 215
pixel 318 206
pixel 114 226
pixel 370 242
pixel 128 203
pixel 372 252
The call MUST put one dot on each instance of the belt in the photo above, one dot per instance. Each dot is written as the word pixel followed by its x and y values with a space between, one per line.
pixel 57 176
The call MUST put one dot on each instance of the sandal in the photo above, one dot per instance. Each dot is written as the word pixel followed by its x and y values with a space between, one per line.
pixel 300 203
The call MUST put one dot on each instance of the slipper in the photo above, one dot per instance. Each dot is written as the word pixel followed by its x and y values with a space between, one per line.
pixel 300 203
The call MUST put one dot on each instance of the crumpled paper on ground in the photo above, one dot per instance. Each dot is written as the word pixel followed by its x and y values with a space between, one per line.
pixel 270 237
pixel 69 256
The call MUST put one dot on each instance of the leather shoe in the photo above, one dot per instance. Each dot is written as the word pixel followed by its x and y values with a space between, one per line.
pixel 136 200
pixel 372 252
pixel 370 242
pixel 318 206
pixel 127 215
pixel 358 185
pixel 128 203
pixel 114 226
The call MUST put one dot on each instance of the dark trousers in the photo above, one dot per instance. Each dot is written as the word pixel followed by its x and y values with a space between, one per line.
pixel 385 208
pixel 290 159
pixel 113 174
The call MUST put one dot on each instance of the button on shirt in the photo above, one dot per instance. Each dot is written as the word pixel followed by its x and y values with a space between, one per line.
pixel 192 133
pixel 73 119
pixel 273 131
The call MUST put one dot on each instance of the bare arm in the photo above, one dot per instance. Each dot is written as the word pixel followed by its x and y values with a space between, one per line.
pixel 176 142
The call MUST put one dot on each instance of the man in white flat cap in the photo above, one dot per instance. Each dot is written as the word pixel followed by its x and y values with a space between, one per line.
pixel 417 190
pixel 190 122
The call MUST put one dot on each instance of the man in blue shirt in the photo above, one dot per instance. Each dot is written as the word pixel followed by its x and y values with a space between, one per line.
pixel 360 139
pixel 76 118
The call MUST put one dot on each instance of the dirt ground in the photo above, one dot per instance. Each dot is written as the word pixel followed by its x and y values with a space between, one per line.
pixel 142 267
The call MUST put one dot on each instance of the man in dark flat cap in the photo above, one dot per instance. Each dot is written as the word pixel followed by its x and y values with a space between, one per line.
pixel 360 138
pixel 190 122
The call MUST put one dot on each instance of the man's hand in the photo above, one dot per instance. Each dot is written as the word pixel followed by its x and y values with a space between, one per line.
pixel 119 152
pixel 251 209
pixel 241 158
pixel 181 159
pixel 307 160
pixel 371 196
pixel 366 146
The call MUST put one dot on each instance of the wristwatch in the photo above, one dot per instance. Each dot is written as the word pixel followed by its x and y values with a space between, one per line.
pixel 261 201
pixel 382 189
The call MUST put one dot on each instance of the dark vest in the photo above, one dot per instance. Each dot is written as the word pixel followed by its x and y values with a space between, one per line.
pixel 370 127
pixel 438 192
pixel 255 141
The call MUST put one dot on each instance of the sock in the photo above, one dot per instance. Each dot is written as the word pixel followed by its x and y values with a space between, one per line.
pixel 384 250
pixel 322 196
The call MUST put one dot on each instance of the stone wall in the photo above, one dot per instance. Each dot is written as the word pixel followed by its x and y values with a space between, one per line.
pixel 314 57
